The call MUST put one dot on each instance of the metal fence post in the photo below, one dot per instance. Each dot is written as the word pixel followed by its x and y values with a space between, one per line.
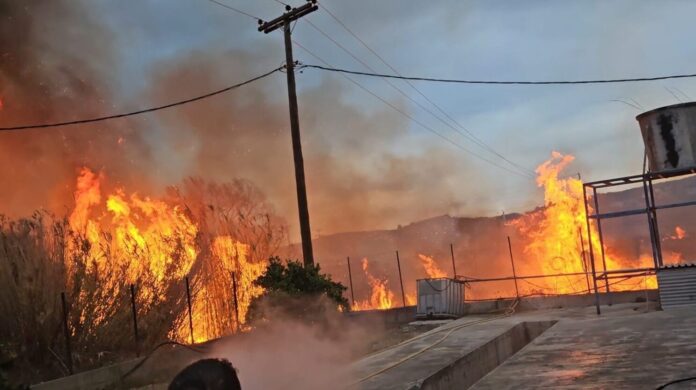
pixel 135 320
pixel 454 266
pixel 589 247
pixel 236 302
pixel 403 295
pixel 514 274
pixel 68 349
pixel 350 279
pixel 190 314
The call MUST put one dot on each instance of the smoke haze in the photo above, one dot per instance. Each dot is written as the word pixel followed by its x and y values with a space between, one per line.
pixel 365 167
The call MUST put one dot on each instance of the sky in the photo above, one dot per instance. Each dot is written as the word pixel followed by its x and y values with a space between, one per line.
pixel 371 164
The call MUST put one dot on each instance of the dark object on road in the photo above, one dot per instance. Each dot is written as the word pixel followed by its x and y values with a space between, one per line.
pixel 207 374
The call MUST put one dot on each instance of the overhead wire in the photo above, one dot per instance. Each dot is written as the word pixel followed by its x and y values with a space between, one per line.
pixel 501 82
pixel 411 118
pixel 393 107
pixel 401 91
pixel 234 9
pixel 468 134
pixel 142 111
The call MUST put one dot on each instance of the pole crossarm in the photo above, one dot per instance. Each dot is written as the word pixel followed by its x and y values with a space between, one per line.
pixel 290 16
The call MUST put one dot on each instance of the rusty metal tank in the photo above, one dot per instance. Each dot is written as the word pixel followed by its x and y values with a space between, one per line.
pixel 669 134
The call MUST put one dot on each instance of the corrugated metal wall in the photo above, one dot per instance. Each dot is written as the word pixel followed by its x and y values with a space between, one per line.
pixel 677 286
pixel 440 298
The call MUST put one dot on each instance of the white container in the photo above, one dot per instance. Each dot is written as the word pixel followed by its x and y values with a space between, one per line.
pixel 669 134
pixel 440 298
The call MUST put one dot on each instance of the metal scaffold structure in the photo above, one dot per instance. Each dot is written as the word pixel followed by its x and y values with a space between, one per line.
pixel 592 202
pixel 669 135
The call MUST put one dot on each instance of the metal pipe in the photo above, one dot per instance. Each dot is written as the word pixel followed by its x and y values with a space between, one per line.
pixel 66 330
pixel 135 321
pixel 651 228
pixel 624 271
pixel 475 280
pixel 514 274
pixel 583 259
pixel 626 213
pixel 589 240
pixel 601 237
pixel 190 314
pixel 653 210
pixel 403 295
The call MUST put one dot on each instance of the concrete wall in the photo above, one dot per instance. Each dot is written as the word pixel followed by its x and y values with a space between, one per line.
pixel 163 365
pixel 404 315
pixel 555 302
pixel 396 316
pixel 466 371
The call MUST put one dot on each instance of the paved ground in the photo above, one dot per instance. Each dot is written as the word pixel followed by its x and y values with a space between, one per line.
pixel 410 363
pixel 620 350
pixel 631 346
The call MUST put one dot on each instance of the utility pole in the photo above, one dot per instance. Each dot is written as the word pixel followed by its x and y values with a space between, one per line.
pixel 284 21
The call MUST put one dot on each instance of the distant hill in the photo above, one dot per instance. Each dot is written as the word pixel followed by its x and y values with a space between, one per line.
pixel 480 245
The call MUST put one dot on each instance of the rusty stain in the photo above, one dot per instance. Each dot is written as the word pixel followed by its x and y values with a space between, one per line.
pixel 666 131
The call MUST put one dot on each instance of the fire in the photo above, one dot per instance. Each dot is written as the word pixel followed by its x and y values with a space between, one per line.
pixel 233 257
pixel 155 244
pixel 431 267
pixel 381 297
pixel 679 234
pixel 553 234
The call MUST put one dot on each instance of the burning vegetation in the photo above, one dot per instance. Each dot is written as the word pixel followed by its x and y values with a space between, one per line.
pixel 381 296
pixel 553 240
pixel 202 231
pixel 215 235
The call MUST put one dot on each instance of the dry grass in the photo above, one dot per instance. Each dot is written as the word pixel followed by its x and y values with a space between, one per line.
pixel 40 257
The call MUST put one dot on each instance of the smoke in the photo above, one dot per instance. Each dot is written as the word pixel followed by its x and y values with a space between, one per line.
pixel 55 66
pixel 356 177
pixel 291 353
pixel 366 168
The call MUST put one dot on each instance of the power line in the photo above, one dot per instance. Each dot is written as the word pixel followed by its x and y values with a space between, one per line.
pixel 386 102
pixel 500 82
pixel 234 9
pixel 143 111
pixel 406 115
pixel 471 135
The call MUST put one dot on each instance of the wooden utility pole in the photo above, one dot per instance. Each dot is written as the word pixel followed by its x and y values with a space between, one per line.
pixel 284 21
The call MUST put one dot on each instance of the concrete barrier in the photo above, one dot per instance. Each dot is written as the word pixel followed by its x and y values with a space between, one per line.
pixel 161 367
pixel 555 302
pixel 395 316
pixel 466 371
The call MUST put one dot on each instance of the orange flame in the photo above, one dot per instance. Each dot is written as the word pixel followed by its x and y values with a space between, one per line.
pixel 553 233
pixel 381 297
pixel 431 267
pixel 679 233
pixel 146 239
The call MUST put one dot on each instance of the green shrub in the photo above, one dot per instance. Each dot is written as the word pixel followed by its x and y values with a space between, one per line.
pixel 293 290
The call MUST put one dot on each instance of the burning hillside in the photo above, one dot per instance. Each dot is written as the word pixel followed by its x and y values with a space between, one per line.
pixel 556 235
pixel 548 241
